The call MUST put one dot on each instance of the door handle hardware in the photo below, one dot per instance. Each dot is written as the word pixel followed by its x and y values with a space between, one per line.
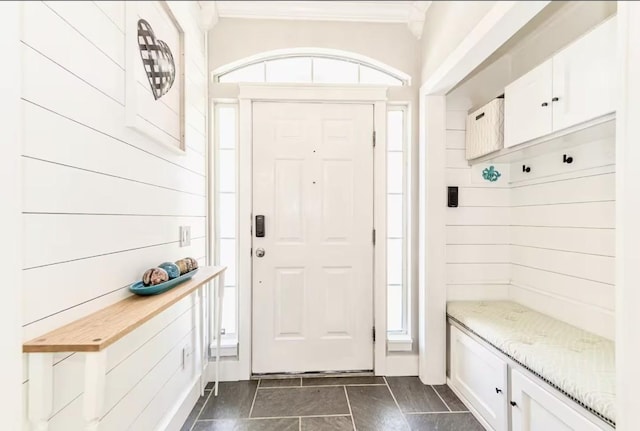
pixel 260 252
pixel 513 403
pixel 259 226
pixel 555 99
pixel 479 116
pixel 567 159
pixel 526 168
pixel 498 391
pixel 544 104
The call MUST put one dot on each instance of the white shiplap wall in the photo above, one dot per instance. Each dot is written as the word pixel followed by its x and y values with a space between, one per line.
pixel 478 265
pixel 102 203
pixel 545 239
pixel 563 235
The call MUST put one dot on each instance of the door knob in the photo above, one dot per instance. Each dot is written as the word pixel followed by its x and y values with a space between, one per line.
pixel 260 252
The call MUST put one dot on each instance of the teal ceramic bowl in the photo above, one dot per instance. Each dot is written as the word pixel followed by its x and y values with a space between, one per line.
pixel 140 289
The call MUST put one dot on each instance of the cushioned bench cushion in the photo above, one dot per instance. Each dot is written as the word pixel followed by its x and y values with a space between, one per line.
pixel 577 362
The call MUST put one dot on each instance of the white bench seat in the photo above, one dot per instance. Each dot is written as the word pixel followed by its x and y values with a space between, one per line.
pixel 576 362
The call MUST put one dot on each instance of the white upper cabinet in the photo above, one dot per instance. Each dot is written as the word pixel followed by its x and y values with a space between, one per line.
pixel 527 106
pixel 584 78
pixel 575 85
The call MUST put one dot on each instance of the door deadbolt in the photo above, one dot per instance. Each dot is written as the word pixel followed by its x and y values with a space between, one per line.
pixel 260 252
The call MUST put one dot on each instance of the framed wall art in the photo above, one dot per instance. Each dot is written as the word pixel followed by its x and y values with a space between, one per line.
pixel 154 100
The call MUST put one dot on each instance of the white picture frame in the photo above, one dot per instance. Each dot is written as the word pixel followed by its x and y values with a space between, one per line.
pixel 162 119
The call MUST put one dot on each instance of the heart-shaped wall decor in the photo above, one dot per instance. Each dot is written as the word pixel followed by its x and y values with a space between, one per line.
pixel 157 60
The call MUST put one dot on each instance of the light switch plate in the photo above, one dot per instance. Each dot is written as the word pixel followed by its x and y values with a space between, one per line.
pixel 185 236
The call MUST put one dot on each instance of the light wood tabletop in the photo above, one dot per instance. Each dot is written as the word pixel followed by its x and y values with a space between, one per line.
pixel 99 330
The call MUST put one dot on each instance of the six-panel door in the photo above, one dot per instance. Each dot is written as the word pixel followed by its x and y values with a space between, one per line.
pixel 313 286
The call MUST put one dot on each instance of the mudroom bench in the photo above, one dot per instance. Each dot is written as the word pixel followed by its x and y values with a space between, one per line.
pixel 517 369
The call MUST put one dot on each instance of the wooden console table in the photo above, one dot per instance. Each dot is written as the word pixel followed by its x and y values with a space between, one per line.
pixel 92 334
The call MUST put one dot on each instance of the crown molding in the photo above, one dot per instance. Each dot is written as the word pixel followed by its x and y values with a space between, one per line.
pixel 208 14
pixel 416 17
pixel 364 11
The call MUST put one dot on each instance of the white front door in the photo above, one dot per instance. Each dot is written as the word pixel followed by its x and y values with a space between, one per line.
pixel 313 286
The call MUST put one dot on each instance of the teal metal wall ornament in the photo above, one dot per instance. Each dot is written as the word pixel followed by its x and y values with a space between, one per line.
pixel 490 174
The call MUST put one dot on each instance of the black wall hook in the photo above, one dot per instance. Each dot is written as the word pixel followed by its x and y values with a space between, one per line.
pixel 526 168
pixel 567 159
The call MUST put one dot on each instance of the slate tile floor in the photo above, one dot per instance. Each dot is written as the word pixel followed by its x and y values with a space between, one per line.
pixel 331 404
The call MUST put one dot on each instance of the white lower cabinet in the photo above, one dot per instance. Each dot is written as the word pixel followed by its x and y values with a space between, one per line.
pixel 480 377
pixel 536 409
pixel 506 399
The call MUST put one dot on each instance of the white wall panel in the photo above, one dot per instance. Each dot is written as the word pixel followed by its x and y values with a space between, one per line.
pixel 588 317
pixel 84 104
pixel 44 286
pixel 589 215
pixel 67 142
pixel 77 54
pixel 544 238
pixel 582 240
pixel 56 238
pixel 477 253
pixel 96 193
pixel 103 203
pixel 89 20
pixel 114 10
pixel 478 235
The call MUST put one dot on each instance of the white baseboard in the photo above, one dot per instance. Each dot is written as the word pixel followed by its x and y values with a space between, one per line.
pixel 473 411
pixel 174 420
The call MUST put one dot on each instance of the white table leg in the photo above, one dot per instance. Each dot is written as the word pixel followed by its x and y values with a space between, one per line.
pixel 219 298
pixel 95 376
pixel 202 323
pixel 40 402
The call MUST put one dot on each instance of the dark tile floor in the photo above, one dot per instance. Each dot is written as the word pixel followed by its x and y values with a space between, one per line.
pixel 331 404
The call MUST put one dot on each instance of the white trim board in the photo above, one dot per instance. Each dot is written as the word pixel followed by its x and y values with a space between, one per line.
pixel 497 27
pixel 241 369
pixel 11 397
pixel 627 215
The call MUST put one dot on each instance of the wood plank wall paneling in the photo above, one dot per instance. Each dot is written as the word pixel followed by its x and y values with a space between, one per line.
pixel 102 203
pixel 563 236
pixel 545 239
pixel 478 231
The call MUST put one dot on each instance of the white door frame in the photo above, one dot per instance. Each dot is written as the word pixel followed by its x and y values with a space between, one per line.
pixel 250 93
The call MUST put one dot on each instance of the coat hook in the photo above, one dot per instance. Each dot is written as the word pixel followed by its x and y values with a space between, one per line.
pixel 526 168
pixel 566 159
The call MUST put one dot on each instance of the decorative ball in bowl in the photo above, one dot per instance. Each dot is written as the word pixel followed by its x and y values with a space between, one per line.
pixel 187 264
pixel 171 268
pixel 154 276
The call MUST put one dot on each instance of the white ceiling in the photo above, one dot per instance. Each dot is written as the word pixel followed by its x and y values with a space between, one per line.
pixel 408 12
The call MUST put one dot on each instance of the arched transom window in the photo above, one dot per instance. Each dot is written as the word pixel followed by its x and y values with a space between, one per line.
pixel 321 67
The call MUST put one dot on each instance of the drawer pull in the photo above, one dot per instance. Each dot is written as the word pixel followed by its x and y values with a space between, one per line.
pixel 513 403
pixel 479 116
pixel 544 104
pixel 555 99
pixel 498 391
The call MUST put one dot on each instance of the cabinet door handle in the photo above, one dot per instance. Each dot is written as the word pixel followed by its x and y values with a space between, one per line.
pixel 544 104
pixel 513 403
pixel 555 99
pixel 498 391
pixel 479 116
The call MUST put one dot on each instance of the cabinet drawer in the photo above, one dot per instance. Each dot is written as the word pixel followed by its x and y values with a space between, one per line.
pixel 480 377
pixel 537 409
pixel 485 130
